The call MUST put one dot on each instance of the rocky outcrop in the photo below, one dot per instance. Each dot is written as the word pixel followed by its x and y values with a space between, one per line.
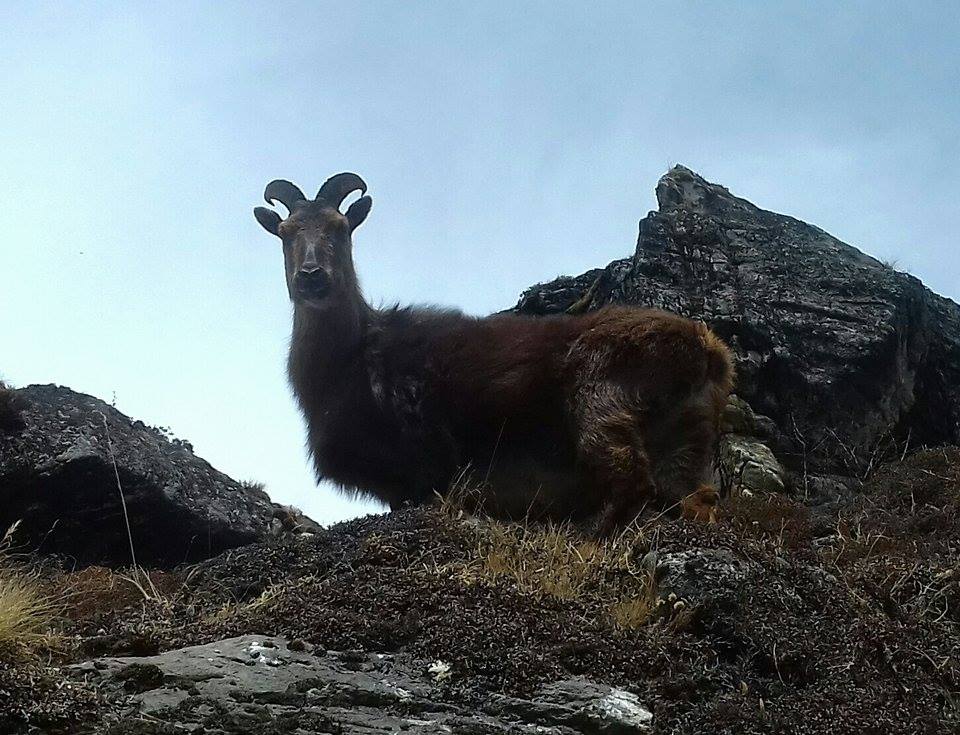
pixel 745 462
pixel 261 684
pixel 844 353
pixel 67 469
pixel 694 576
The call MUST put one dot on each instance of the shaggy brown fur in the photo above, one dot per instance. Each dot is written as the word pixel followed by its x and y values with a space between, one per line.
pixel 555 417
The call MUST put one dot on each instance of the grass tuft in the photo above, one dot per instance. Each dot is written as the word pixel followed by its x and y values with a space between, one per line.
pixel 558 561
pixel 27 614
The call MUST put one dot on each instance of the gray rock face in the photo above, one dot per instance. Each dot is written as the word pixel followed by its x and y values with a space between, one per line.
pixel 749 465
pixel 838 349
pixel 261 684
pixel 582 705
pixel 696 575
pixel 58 476
pixel 745 461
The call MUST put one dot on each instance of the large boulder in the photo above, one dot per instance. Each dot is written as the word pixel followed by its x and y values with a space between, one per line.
pixel 844 353
pixel 73 462
pixel 265 684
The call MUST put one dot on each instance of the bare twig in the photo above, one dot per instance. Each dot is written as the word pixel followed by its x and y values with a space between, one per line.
pixel 123 500
pixel 126 520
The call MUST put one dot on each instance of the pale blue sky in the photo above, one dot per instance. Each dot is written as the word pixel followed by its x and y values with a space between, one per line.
pixel 504 144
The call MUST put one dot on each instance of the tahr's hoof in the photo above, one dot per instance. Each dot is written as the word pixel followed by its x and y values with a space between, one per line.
pixel 701 505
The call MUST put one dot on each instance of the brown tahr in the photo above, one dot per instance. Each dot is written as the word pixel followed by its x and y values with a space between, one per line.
pixel 594 415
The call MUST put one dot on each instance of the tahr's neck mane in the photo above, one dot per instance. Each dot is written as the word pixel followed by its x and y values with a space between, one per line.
pixel 324 343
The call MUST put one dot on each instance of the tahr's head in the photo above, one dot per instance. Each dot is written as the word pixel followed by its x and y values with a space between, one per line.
pixel 316 236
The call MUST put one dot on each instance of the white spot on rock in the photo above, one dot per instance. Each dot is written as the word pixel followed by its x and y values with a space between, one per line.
pixel 401 693
pixel 440 670
pixel 263 654
pixel 622 706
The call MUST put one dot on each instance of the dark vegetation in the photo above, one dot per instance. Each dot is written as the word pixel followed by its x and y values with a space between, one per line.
pixel 11 408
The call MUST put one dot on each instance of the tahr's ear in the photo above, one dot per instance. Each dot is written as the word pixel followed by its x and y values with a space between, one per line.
pixel 269 219
pixel 358 211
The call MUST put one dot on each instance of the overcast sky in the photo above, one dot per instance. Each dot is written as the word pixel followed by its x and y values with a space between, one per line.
pixel 504 144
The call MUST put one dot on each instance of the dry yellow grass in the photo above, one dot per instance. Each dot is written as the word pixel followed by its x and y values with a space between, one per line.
pixel 558 561
pixel 26 613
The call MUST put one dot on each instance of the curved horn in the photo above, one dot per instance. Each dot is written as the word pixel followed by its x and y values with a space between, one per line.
pixel 284 192
pixel 336 188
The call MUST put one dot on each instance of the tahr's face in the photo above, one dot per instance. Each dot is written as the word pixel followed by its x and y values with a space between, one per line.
pixel 316 236
pixel 316 252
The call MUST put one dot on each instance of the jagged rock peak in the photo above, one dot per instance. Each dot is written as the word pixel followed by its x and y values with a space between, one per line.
pixel 844 353
pixel 683 188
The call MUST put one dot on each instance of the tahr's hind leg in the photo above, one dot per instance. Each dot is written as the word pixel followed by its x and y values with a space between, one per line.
pixel 611 454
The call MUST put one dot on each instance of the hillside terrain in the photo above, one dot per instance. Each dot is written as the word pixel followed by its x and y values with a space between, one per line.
pixel 825 598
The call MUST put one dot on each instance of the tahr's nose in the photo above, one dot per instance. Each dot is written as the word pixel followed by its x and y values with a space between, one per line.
pixel 312 281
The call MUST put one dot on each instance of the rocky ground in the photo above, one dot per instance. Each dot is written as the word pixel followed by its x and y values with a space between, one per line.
pixel 775 619
pixel 824 599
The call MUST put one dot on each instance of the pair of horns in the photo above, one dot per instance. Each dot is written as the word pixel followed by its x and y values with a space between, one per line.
pixel 333 192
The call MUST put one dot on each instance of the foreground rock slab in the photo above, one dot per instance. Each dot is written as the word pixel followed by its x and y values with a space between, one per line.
pixel 260 684
pixel 59 473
